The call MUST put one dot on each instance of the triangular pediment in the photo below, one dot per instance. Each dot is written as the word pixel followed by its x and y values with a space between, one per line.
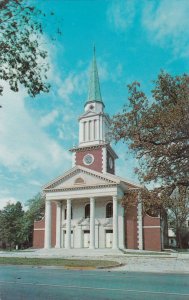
pixel 80 177
pixel 89 113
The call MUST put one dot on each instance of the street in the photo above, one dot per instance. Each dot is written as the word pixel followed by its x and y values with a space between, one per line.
pixel 49 283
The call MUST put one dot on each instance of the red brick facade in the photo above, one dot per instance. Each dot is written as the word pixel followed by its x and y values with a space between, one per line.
pixel 38 234
pixel 96 165
pixel 151 231
pixel 39 230
pixel 131 228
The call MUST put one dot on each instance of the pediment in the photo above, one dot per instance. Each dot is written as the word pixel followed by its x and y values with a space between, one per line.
pixel 80 177
pixel 108 223
pixel 89 113
pixel 86 222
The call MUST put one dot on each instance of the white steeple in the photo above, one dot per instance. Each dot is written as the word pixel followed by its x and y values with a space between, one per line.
pixel 94 123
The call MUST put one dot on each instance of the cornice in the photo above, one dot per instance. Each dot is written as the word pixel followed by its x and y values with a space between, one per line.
pixel 59 181
pixel 80 188
pixel 84 148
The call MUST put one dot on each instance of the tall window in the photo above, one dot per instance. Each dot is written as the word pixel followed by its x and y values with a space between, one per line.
pixel 109 210
pixel 87 211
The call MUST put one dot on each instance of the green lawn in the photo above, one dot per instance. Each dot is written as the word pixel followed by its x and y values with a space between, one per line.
pixel 57 262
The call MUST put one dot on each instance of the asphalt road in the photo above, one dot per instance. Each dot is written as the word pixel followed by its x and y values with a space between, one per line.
pixel 33 283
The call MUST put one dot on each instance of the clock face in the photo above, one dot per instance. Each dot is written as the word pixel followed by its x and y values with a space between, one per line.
pixel 110 162
pixel 88 159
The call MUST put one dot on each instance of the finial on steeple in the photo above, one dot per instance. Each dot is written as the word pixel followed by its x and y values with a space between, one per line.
pixel 94 93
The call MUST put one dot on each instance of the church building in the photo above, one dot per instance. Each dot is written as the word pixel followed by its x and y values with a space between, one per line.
pixel 83 207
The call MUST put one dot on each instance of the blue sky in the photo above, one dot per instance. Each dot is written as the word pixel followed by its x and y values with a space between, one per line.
pixel 134 41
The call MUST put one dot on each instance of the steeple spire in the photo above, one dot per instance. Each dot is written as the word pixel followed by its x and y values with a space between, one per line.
pixel 94 93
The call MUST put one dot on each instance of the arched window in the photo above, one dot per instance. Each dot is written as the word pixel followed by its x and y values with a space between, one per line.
pixel 109 210
pixel 79 180
pixel 87 211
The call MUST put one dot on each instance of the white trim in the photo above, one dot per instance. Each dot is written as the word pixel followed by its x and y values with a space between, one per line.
pixel 152 226
pixel 73 159
pixel 48 222
pixel 92 223
pixel 139 222
pixel 78 168
pixel 88 164
pixel 115 223
pixel 58 224
pixel 104 160
pixel 39 229
pixel 153 216
pixel 68 223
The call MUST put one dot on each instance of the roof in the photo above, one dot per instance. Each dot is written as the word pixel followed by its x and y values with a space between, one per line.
pixel 112 179
pixel 94 93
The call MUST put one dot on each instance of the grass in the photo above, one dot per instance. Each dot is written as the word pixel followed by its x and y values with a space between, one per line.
pixel 57 262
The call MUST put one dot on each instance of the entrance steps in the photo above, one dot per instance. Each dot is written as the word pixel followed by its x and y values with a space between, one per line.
pixel 81 252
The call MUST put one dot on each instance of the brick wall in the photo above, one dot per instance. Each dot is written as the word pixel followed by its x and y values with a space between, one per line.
pixel 39 230
pixel 96 165
pixel 38 234
pixel 152 233
pixel 131 228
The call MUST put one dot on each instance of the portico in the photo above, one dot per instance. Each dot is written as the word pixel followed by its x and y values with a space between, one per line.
pixel 73 227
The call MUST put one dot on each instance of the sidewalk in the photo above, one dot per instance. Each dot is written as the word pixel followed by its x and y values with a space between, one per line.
pixel 135 261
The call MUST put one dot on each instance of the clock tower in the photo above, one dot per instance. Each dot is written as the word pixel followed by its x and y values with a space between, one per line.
pixel 94 150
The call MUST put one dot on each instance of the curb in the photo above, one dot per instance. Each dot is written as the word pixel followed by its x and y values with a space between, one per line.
pixel 112 267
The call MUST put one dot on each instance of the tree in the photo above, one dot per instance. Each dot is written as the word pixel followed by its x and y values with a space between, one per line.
pixel 11 224
pixel 36 207
pixel 16 225
pixel 157 130
pixel 35 212
pixel 178 210
pixel 22 60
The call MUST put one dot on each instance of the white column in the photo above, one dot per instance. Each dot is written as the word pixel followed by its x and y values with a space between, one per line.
pixel 121 225
pixel 92 130
pixel 139 222
pixel 68 225
pixel 47 224
pixel 92 223
pixel 97 129
pixel 104 160
pixel 87 131
pixel 115 223
pixel 102 129
pixel 58 223
pixel 81 132
pixel 84 131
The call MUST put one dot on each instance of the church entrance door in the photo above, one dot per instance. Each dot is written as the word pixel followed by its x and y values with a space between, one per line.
pixel 86 238
pixel 109 238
